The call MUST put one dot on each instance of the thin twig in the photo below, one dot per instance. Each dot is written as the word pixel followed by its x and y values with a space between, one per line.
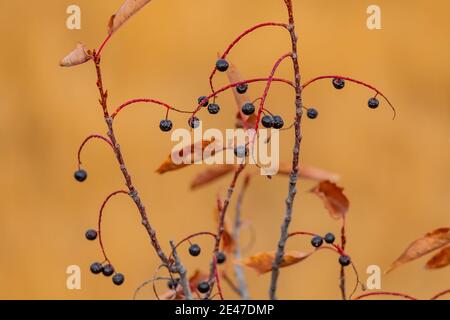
pixel 342 272
pixel 295 157
pixel 128 181
pixel 440 294
pixel 182 272
pixel 395 294
pixel 238 270
pixel 221 227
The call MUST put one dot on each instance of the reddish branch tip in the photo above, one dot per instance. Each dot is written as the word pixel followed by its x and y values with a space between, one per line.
pixel 93 136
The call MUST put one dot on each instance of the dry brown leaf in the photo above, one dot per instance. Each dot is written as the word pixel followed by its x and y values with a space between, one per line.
pixel 211 174
pixel 78 56
pixel 235 76
pixel 440 260
pixel 333 198
pixel 420 247
pixel 309 172
pixel 262 262
pixel 188 151
pixel 125 12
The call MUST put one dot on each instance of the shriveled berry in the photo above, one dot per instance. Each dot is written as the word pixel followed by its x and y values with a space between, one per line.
pixel 203 287
pixel 222 65
pixel 96 268
pixel 221 257
pixel 173 283
pixel 108 270
pixel 194 122
pixel 278 122
pixel 344 260
pixel 339 83
pixel 241 151
pixel 80 175
pixel 203 100
pixel 329 238
pixel 317 241
pixel 242 88
pixel 267 121
pixel 213 108
pixel 248 109
pixel 165 125
pixel 373 103
pixel 118 279
pixel 312 113
pixel 194 250
pixel 91 234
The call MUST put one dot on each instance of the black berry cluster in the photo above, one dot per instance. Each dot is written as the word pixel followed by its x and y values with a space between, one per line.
pixel 203 287
pixel 91 234
pixel 248 109
pixel 339 83
pixel 317 241
pixel 165 125
pixel 275 122
pixel 107 270
pixel 194 250
pixel 222 65
pixel 242 88
pixel 221 257
pixel 312 113
pixel 373 103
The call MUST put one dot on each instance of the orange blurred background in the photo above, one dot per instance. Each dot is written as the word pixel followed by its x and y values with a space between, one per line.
pixel 396 173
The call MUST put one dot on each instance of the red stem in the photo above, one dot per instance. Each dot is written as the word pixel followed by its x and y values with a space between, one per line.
pixel 93 136
pixel 440 294
pixel 242 35
pixel 378 92
pixel 216 274
pixel 100 49
pixel 266 90
pixel 396 294
pixel 193 236
pixel 100 221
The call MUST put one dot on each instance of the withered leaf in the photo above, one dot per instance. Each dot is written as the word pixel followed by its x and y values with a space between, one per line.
pixel 211 174
pixel 125 12
pixel 262 262
pixel 192 153
pixel 234 76
pixel 440 259
pixel 333 198
pixel 431 241
pixel 78 56
pixel 309 172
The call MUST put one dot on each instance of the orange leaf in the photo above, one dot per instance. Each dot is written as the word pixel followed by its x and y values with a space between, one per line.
pixel 125 12
pixel 440 260
pixel 309 172
pixel 78 56
pixel 428 243
pixel 190 153
pixel 211 174
pixel 333 198
pixel 235 76
pixel 262 262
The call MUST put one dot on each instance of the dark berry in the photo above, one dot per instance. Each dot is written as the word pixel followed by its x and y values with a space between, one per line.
pixel 91 234
pixel 194 122
pixel 339 83
pixel 316 241
pixel 241 151
pixel 248 109
pixel 80 175
pixel 165 125
pixel 108 270
pixel 194 250
pixel 312 113
pixel 344 260
pixel 329 238
pixel 242 88
pixel 221 257
pixel 203 101
pixel 373 103
pixel 222 65
pixel 172 283
pixel 203 287
pixel 118 279
pixel 213 108
pixel 96 268
pixel 278 122
pixel 267 121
